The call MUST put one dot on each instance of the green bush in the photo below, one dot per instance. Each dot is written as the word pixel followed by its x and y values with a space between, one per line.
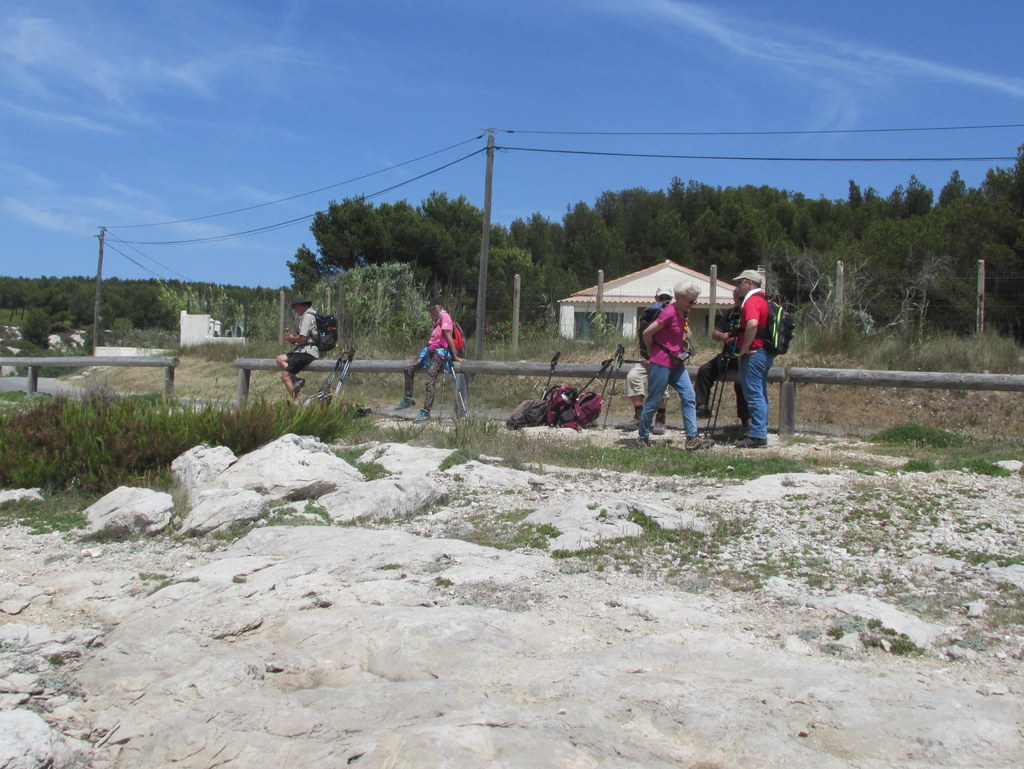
pixel 98 444
pixel 913 434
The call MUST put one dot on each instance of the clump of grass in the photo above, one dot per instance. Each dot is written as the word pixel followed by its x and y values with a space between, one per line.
pixel 913 434
pixel 57 511
pixel 879 636
pixel 98 444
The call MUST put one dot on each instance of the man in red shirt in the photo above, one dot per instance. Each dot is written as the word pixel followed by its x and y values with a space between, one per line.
pixel 754 360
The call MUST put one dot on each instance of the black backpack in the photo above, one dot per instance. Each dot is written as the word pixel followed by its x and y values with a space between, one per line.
pixel 326 331
pixel 647 317
pixel 779 331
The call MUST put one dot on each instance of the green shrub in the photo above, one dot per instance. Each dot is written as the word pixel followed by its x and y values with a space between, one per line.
pixel 913 434
pixel 98 444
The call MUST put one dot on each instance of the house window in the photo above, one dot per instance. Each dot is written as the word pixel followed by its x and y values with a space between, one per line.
pixel 583 322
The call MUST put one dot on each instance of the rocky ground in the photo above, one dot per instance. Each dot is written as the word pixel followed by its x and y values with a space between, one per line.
pixel 539 617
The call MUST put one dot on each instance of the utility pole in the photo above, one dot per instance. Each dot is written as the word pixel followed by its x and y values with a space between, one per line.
pixel 99 290
pixel 485 247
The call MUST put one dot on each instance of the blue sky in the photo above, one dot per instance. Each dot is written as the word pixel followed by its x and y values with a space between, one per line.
pixel 116 113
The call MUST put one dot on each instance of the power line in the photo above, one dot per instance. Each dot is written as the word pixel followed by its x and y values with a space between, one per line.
pixel 154 261
pixel 753 158
pixel 299 195
pixel 763 133
pixel 139 264
pixel 279 225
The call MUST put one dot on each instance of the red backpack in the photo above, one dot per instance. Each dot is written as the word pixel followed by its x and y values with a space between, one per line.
pixel 585 410
pixel 561 399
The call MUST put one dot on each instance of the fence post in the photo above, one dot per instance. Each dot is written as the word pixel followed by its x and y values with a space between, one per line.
pixel 168 382
pixel 32 380
pixel 980 324
pixel 280 317
pixel 600 292
pixel 712 299
pixel 242 388
pixel 840 293
pixel 516 293
pixel 787 408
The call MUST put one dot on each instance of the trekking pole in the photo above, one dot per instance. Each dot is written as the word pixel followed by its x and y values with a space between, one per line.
pixel 717 392
pixel 460 402
pixel 604 365
pixel 554 362
pixel 349 355
pixel 620 353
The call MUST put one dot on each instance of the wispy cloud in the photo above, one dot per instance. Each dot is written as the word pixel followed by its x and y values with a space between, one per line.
pixel 797 49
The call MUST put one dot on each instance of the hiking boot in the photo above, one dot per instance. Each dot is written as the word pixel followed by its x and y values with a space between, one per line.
pixel 632 425
pixel 751 443
pixel 423 416
pixel 703 412
pixel 659 427
pixel 642 443
pixel 698 442
pixel 406 403
pixel 297 385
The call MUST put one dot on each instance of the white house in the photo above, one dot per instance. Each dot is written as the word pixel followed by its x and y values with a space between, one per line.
pixel 623 299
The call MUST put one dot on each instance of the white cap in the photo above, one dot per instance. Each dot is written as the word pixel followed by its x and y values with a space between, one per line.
pixel 663 292
pixel 752 275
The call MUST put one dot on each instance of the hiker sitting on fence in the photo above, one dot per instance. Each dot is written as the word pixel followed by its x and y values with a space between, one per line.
pixel 433 358
pixel 306 350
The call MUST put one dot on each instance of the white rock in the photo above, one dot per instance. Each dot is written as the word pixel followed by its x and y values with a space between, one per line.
pixel 1013 575
pixel 200 465
pixel 409 460
pixel 220 509
pixel 10 495
pixel 26 742
pixel 128 510
pixel 476 475
pixel 1013 465
pixel 290 467
pixel 920 632
pixel 383 498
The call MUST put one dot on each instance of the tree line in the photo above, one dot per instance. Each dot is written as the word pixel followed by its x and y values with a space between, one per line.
pixel 904 252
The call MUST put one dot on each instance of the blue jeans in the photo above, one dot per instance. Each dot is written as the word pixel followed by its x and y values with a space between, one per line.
pixel 754 379
pixel 659 378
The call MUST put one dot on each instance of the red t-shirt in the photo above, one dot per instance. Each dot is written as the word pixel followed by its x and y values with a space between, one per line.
pixel 754 306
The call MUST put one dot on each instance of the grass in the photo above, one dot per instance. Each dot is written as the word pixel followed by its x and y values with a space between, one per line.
pixel 58 511
pixel 97 444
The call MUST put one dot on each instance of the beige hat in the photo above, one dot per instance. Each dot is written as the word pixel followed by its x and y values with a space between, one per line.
pixel 751 275
pixel 663 292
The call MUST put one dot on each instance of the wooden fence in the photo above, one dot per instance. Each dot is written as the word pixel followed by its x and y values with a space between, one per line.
pixel 34 364
pixel 787 377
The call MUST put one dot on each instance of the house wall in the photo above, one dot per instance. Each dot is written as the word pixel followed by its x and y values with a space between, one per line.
pixel 567 318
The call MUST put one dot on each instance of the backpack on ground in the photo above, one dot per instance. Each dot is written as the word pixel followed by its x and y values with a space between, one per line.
pixel 326 331
pixel 529 413
pixel 560 400
pixel 779 331
pixel 585 410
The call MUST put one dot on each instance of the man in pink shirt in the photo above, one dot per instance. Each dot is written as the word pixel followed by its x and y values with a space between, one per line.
pixel 754 359
pixel 440 348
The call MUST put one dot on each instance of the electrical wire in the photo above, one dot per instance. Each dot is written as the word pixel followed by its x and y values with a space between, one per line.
pixel 753 158
pixel 106 240
pixel 299 195
pixel 763 133
pixel 139 264
pixel 289 222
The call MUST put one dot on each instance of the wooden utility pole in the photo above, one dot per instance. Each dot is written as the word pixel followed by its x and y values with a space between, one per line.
pixel 712 299
pixel 485 248
pixel 99 291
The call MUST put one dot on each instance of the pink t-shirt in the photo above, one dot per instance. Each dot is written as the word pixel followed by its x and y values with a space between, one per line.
pixel 668 337
pixel 442 323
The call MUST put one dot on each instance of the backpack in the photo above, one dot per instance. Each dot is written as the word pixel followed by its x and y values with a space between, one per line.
pixel 560 400
pixel 647 317
pixel 779 331
pixel 459 338
pixel 585 410
pixel 529 413
pixel 326 331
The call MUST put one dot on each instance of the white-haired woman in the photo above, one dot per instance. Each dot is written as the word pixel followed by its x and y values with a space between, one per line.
pixel 667 340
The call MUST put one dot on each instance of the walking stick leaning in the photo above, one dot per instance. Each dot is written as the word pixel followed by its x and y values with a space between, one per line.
pixel 332 384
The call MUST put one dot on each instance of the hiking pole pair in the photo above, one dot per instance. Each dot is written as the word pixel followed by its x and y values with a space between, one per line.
pixel 620 353
pixel 336 377
pixel 715 401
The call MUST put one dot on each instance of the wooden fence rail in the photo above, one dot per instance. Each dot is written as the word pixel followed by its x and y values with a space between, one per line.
pixel 78 361
pixel 786 377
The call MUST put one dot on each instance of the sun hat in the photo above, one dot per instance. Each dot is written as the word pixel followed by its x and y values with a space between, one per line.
pixel 751 275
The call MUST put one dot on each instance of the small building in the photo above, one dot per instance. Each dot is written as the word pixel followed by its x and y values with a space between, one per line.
pixel 625 298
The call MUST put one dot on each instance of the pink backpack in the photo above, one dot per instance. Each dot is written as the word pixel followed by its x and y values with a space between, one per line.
pixel 585 411
pixel 561 399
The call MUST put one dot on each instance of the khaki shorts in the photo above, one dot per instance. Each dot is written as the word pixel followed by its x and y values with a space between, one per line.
pixel 636 381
